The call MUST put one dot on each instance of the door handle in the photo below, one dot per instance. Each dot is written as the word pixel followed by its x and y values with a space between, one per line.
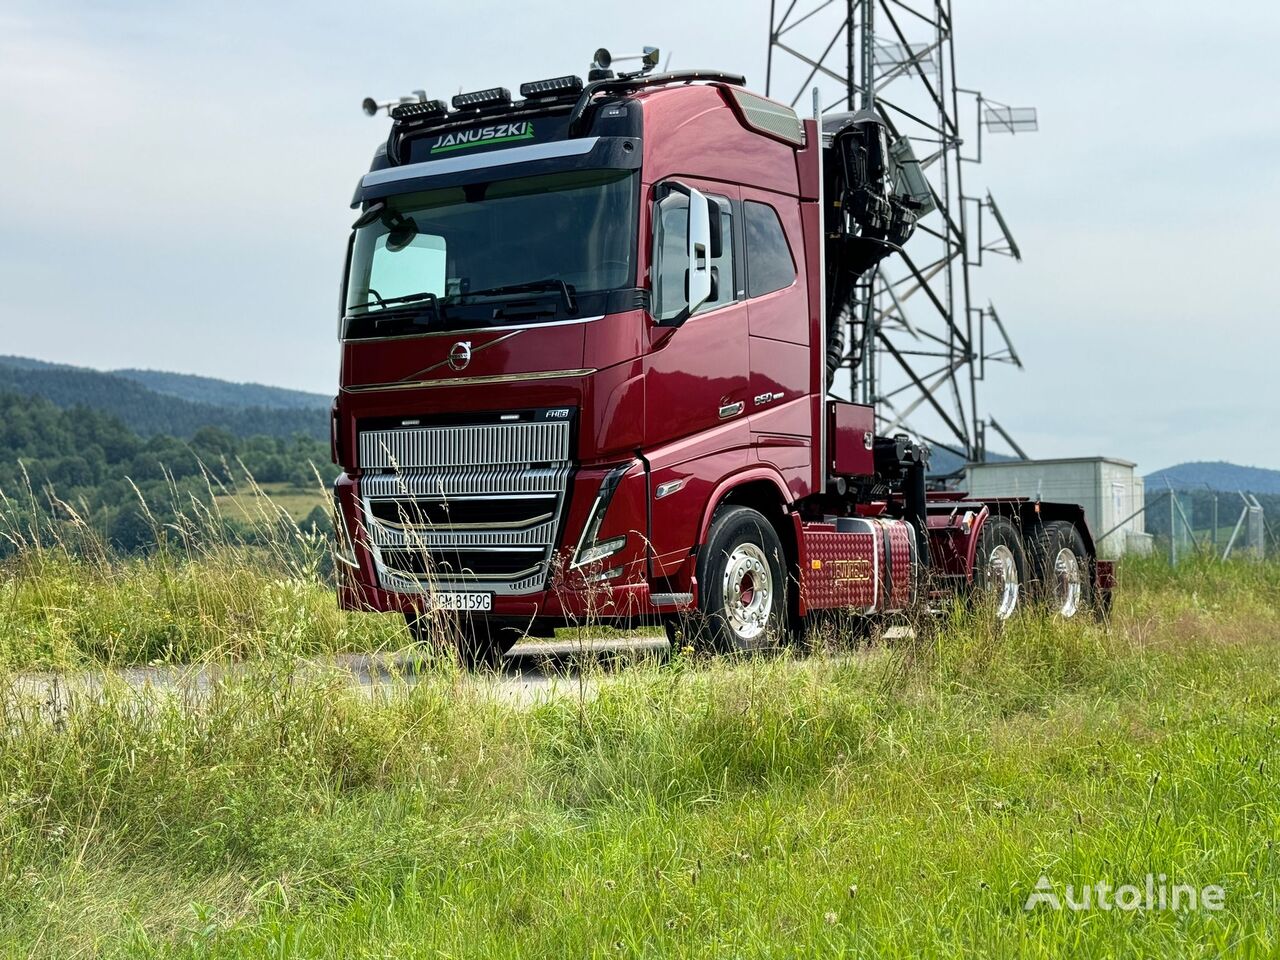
pixel 731 410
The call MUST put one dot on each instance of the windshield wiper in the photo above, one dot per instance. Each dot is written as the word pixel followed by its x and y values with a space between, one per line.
pixel 400 309
pixel 566 291
pixel 407 298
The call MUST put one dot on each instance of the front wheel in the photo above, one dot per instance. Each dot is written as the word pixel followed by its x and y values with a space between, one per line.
pixel 1061 565
pixel 743 588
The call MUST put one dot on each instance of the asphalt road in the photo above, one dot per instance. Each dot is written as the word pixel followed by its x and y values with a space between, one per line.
pixel 532 671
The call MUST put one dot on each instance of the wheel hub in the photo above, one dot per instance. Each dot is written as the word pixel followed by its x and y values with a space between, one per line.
pixel 1067 581
pixel 1002 576
pixel 748 591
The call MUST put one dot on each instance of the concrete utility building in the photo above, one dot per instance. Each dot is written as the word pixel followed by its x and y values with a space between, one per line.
pixel 1106 487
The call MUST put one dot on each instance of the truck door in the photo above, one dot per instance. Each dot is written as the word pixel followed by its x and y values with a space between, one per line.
pixel 780 358
pixel 701 368
pixel 697 389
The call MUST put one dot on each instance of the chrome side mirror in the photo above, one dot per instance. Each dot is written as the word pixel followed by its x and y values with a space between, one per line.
pixel 698 245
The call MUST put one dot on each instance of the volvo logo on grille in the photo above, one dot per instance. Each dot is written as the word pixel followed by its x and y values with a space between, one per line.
pixel 460 355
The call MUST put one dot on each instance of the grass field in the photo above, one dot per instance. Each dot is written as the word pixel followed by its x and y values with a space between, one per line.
pixel 247 503
pixel 894 801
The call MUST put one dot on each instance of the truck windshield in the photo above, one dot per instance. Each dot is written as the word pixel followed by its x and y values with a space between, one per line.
pixel 457 251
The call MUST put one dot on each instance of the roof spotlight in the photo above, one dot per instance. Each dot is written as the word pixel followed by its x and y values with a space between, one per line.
pixel 479 99
pixel 371 107
pixel 555 87
pixel 418 109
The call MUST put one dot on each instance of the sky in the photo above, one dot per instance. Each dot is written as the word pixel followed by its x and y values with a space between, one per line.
pixel 175 180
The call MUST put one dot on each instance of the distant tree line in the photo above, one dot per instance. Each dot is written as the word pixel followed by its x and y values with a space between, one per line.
pixel 148 412
pixel 82 460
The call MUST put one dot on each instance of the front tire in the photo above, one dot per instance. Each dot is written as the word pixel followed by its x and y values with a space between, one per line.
pixel 1061 565
pixel 1000 566
pixel 742 597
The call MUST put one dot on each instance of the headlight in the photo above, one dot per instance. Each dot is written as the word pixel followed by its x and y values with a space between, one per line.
pixel 600 551
pixel 589 550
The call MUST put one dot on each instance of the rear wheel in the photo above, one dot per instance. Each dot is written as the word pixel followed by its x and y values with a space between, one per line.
pixel 742 583
pixel 478 641
pixel 1000 567
pixel 1061 566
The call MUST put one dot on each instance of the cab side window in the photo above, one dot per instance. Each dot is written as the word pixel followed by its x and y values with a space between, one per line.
pixel 671 259
pixel 722 291
pixel 769 263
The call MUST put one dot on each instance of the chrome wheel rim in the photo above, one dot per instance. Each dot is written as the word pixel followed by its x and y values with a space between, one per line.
pixel 1002 579
pixel 748 591
pixel 1066 578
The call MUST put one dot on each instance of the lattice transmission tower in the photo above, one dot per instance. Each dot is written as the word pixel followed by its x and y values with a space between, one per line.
pixel 916 345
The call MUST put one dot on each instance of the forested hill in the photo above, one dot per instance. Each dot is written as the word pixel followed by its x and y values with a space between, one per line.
pixel 224 393
pixel 1215 475
pixel 943 462
pixel 151 403
pixel 93 461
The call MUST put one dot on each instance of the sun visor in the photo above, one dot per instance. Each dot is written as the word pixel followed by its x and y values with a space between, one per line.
pixel 528 160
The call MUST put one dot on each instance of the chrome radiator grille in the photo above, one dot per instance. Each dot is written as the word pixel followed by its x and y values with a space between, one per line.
pixel 467 507
pixel 464 446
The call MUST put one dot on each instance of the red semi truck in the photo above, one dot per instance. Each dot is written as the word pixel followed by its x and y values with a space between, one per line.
pixel 585 375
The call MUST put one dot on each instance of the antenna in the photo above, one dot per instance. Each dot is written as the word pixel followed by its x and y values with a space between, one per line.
pixel 917 345
pixel 1001 119
pixel 1010 246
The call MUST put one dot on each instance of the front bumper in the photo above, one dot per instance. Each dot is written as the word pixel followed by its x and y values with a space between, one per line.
pixel 613 589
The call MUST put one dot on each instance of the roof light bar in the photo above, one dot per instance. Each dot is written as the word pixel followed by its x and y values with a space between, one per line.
pixel 493 97
pixel 555 87
pixel 417 109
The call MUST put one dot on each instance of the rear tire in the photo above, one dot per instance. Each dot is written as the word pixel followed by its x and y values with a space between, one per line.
pixel 1000 566
pixel 479 642
pixel 742 597
pixel 1062 568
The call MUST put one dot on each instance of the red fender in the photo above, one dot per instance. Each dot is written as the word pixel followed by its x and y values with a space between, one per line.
pixel 737 480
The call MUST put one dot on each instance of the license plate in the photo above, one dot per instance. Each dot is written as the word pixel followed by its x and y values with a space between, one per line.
pixel 470 602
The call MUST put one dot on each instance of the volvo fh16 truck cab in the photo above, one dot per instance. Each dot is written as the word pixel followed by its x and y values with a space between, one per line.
pixel 584 376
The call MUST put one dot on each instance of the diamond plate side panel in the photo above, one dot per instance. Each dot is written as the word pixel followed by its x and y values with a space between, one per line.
pixel 899 547
pixel 839 569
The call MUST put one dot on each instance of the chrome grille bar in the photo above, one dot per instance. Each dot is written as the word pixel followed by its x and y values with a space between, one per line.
pixel 464 446
pixel 474 480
